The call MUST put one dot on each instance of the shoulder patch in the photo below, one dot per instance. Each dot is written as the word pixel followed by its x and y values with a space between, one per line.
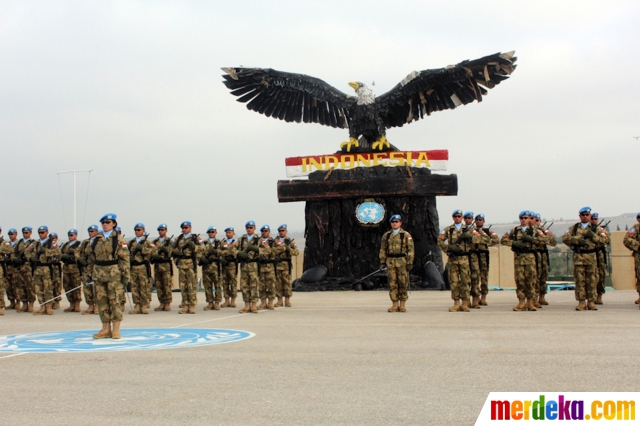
pixel 632 231
pixel 409 237
pixel 124 244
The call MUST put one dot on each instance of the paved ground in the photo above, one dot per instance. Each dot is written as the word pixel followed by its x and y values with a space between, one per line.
pixel 334 358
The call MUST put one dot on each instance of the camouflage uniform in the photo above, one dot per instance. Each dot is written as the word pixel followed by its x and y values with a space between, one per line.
pixel 42 257
pixel 8 268
pixel 5 249
pixel 585 262
pixel 601 256
pixel 632 242
pixel 140 254
pixel 70 272
pixel 83 257
pixel 542 261
pixel 187 268
pixel 26 289
pixel 211 272
pixel 249 269
pixel 524 259
pixel 57 282
pixel 108 265
pixel 284 250
pixel 482 255
pixel 475 266
pixel 397 252
pixel 163 271
pixel 267 272
pixel 229 270
pixel 459 268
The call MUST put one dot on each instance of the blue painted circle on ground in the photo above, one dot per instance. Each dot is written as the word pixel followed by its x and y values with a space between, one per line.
pixel 133 339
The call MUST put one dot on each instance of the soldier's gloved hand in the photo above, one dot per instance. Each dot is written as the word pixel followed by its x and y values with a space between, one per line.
pixel 212 251
pixel 163 249
pixel 155 258
pixel 65 257
pixel 253 248
pixel 125 283
pixel 204 260
pixel 589 234
pixel 519 245
pixel 527 238
pixel 16 261
pixel 72 251
pixel 40 250
pixel 409 266
pixel 191 244
pixel 466 236
pixel 582 242
pixel 242 255
pixel 177 253
pixel 287 249
pixel 82 261
pixel 277 259
pixel 223 261
pixel 455 248
pixel 33 259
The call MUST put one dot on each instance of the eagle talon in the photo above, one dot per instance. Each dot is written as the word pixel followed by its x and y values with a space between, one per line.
pixel 381 144
pixel 350 144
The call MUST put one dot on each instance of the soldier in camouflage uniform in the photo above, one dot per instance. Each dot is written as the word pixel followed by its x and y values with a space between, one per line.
pixel 601 255
pixel 211 270
pixel 70 271
pixel 12 278
pixel 141 250
pixel 186 252
pixel 397 253
pixel 266 270
pixel 163 268
pixel 474 260
pixel 41 254
pixel 57 275
pixel 229 268
pixel 456 241
pixel 542 260
pixel 109 269
pixel 5 250
pixel 26 289
pixel 632 242
pixel 482 254
pixel 522 240
pixel 284 249
pixel 582 238
pixel 248 252
pixel 83 256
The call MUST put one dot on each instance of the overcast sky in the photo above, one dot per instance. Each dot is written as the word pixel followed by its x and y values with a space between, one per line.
pixel 133 91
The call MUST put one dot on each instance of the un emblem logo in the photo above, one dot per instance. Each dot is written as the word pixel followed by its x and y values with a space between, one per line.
pixel 370 212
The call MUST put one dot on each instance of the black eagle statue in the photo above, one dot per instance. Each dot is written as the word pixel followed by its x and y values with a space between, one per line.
pixel 301 98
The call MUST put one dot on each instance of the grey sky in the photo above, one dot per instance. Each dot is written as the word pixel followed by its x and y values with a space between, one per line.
pixel 133 90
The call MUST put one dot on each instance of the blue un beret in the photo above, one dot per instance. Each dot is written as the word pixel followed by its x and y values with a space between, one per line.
pixel 394 217
pixel 468 214
pixel 72 231
pixel 229 229
pixel 118 229
pixel 250 223
pixel 265 227
pixel 455 212
pixel 185 223
pixel 27 228
pixel 108 216
pixel 594 215
pixel 161 226
pixel 585 210
pixel 43 228
pixel 638 215
pixel 92 228
pixel 480 216
pixel 13 231
pixel 283 226
pixel 536 215
pixel 53 235
pixel 138 225
pixel 524 213
pixel 211 228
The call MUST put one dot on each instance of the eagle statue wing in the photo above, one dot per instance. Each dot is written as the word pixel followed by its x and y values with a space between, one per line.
pixel 423 92
pixel 289 97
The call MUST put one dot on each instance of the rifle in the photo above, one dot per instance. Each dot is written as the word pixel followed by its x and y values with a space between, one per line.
pixel 382 268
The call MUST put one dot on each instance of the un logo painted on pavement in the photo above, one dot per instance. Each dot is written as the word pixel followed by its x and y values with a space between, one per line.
pixel 133 339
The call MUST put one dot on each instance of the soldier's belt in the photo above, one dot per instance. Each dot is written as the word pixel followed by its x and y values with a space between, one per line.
pixel 44 264
pixel 523 251
pixel 397 255
pixel 250 260
pixel 134 263
pixel 266 262
pixel 69 262
pixel 106 262
pixel 162 261
pixel 229 258
pixel 583 251
pixel 284 260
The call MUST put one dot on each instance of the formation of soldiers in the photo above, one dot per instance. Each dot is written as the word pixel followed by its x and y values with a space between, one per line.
pixel 105 265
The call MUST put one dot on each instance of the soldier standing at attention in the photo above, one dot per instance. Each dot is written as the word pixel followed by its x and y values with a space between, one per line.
pixel 211 270
pixel 109 268
pixel 248 251
pixel 521 240
pixel 396 252
pixel 266 259
pixel 41 254
pixel 456 241
pixel 141 250
pixel 13 292
pixel 163 268
pixel 632 242
pixel 185 253
pixel 5 249
pixel 474 265
pixel 483 255
pixel 70 271
pixel 26 288
pixel 284 249
pixel 582 239
pixel 83 256
pixel 229 268
pixel 601 255
pixel 57 275
pixel 548 239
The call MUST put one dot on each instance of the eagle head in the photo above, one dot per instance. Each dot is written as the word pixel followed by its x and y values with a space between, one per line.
pixel 365 95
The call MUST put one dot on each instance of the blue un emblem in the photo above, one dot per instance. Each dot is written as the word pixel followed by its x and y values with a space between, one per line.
pixel 370 213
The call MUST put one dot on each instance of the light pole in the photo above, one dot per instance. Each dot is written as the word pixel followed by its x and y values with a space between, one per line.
pixel 74 190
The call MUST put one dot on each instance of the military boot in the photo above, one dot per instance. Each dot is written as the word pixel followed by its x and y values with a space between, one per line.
pixel 287 302
pixel 233 302
pixel 56 304
pixel 581 306
pixel 536 303
pixel 192 309
pixel 254 308
pixel 465 306
pixel 531 306
pixel 1 311
pixel 184 309
pixel 476 302
pixel 483 300
pixel 208 307
pixel 280 302
pixel 520 306
pixel 402 307
pixel 105 332
pixel 17 305
pixel 591 306
pixel 394 307
pixel 89 309
pixel 12 304
pixel 71 307
pixel 76 306
pixel 144 310
pixel 122 306
pixel 270 304
pixel 115 333
pixel 263 304
pixel 136 310
pixel 48 309
pixel 226 303
pixel 167 306
pixel 30 307
pixel 599 300
pixel 40 311
pixel 160 308
pixel 216 306
pixel 455 307
pixel 247 308
pixel 638 300
pixel 542 300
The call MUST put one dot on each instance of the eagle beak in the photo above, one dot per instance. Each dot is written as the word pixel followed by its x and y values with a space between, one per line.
pixel 355 85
